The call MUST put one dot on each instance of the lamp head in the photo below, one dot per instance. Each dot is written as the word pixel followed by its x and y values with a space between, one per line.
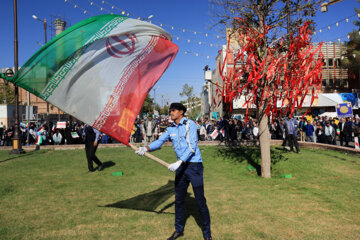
pixel 9 73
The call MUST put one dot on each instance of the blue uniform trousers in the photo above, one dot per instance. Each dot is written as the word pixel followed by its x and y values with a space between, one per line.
pixel 185 174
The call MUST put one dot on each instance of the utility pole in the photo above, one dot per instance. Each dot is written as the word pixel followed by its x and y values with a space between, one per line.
pixel 45 31
pixel 16 141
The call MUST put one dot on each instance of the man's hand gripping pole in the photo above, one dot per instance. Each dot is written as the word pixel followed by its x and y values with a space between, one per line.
pixel 165 164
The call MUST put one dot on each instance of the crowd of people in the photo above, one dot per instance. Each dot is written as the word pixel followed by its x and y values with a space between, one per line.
pixel 326 130
pixel 48 134
pixel 310 129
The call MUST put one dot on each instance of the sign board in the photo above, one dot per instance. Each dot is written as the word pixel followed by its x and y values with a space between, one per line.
pixel 215 115
pixel 344 110
pixel 208 75
pixel 61 125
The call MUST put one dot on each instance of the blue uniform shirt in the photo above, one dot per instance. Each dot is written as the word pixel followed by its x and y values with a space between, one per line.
pixel 97 134
pixel 178 137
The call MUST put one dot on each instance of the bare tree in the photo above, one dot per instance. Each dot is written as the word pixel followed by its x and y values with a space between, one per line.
pixel 188 91
pixel 275 59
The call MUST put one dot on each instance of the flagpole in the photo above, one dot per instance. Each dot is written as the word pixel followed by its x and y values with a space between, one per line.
pixel 158 160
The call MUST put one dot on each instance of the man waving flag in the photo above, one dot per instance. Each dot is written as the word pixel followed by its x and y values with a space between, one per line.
pixel 100 70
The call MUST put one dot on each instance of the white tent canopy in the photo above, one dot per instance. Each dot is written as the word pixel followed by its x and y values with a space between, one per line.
pixel 323 100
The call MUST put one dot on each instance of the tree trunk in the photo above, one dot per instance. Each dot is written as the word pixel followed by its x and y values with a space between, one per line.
pixel 264 139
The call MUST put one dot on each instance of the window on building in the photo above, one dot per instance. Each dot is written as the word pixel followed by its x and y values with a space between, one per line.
pixel 324 82
pixel 331 82
pixel 337 82
pixel 331 62
pixel 338 62
pixel 324 60
pixel 344 83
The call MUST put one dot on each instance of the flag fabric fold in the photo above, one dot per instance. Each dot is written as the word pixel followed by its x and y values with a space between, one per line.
pixel 100 70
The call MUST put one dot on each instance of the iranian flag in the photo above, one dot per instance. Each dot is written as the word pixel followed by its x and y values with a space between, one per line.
pixel 39 138
pixel 222 132
pixel 100 70
pixel 214 134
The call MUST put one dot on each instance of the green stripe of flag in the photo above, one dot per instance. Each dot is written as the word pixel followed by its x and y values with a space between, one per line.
pixel 48 66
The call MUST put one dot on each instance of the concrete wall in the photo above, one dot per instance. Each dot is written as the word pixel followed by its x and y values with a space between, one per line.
pixel 7 114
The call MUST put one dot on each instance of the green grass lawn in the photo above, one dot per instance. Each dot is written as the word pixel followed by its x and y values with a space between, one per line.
pixel 50 195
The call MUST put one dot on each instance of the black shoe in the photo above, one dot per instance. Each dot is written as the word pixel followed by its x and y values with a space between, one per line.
pixel 175 235
pixel 208 238
pixel 101 167
pixel 92 170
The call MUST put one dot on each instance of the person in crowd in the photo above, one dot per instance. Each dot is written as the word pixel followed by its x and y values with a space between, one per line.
pixel 150 130
pixel 335 126
pixel 239 128
pixel 345 127
pixel 2 129
pixel 278 130
pixel 302 124
pixel 330 133
pixel 75 134
pixel 82 132
pixel 92 137
pixel 314 134
pixel 247 134
pixel 320 134
pixel 272 129
pixel 210 129
pixel 162 127
pixel 68 137
pixel 349 131
pixel 188 167
pixel 232 130
pixel 8 134
pixel 357 129
pixel 202 133
pixel 283 133
pixel 291 126
pixel 309 131
pixel 105 139
pixel 57 137
pixel 224 129
pixel 255 132
pixel 137 134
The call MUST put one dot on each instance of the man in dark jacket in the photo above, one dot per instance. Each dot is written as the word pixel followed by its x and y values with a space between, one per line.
pixel 291 126
pixel 345 131
pixel 92 136
pixel 150 130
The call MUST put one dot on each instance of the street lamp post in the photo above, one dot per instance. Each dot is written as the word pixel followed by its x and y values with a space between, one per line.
pixel 45 25
pixel 45 31
pixel 325 5
pixel 148 18
pixel 16 141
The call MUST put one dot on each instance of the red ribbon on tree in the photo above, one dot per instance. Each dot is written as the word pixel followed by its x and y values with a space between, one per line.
pixel 273 75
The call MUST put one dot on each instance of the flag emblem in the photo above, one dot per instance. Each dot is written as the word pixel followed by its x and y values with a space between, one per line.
pixel 125 45
pixel 126 119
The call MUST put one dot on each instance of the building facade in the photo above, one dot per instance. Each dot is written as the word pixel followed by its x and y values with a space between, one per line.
pixel 336 79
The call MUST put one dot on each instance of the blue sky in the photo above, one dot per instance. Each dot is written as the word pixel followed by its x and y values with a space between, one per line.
pixel 189 21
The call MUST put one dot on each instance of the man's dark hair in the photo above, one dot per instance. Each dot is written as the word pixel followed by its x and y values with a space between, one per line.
pixel 177 106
